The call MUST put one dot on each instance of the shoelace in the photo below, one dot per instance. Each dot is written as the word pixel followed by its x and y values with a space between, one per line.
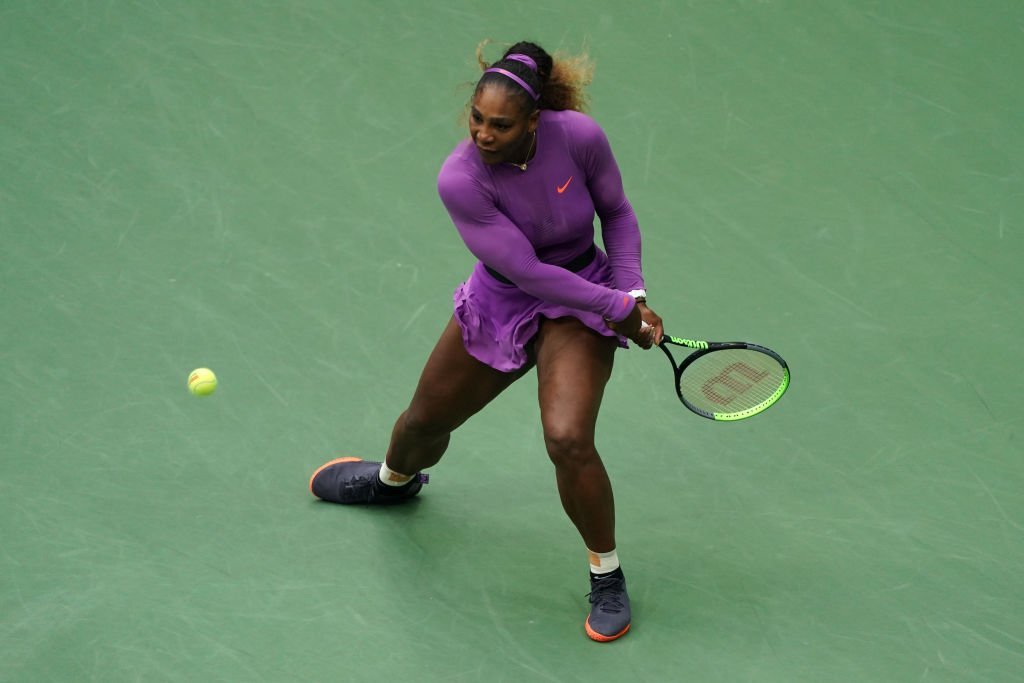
pixel 357 482
pixel 605 594
pixel 369 478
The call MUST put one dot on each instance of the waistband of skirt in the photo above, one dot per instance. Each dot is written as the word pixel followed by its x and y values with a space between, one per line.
pixel 577 264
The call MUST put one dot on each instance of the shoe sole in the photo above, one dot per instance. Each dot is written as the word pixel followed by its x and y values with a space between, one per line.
pixel 600 637
pixel 325 466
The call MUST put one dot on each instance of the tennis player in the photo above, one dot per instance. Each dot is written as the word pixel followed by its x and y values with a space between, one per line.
pixel 522 191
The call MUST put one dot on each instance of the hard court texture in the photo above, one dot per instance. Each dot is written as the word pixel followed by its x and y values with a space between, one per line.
pixel 249 186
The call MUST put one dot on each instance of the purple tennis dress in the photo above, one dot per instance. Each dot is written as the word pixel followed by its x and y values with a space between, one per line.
pixel 523 226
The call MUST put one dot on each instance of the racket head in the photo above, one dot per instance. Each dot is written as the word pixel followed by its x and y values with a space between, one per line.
pixel 731 381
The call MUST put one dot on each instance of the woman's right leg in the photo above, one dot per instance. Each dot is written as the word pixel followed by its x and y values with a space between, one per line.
pixel 453 387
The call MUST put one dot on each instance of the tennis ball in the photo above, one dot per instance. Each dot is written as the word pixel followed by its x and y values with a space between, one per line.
pixel 202 381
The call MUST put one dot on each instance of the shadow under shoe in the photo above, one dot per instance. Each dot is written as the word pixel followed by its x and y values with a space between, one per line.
pixel 353 481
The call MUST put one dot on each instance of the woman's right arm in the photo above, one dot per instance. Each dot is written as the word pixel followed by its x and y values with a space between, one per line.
pixel 494 239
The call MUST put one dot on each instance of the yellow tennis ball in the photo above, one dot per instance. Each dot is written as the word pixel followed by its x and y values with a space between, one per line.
pixel 202 382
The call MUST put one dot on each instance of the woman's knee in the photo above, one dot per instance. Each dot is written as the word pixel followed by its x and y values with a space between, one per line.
pixel 568 446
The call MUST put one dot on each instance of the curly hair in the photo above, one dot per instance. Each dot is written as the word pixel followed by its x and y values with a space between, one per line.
pixel 560 81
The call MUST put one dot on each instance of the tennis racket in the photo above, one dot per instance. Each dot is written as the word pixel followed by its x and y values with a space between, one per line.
pixel 727 381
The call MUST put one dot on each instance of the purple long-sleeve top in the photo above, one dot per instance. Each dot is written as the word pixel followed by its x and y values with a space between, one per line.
pixel 524 224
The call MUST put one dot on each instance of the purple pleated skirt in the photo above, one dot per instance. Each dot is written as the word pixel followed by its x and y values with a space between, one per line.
pixel 499 320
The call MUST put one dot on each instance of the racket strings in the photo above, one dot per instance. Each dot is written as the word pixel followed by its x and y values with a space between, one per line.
pixel 733 381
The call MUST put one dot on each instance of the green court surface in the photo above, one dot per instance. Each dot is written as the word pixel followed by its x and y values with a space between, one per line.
pixel 250 186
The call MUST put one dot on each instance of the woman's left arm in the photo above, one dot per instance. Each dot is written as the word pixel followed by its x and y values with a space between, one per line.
pixel 620 230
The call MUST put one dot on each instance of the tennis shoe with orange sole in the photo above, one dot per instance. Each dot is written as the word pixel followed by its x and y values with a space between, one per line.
pixel 610 615
pixel 353 481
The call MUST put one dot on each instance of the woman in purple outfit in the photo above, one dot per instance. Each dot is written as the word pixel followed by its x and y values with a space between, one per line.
pixel 522 191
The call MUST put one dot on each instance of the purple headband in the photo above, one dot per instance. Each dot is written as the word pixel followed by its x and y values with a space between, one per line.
pixel 521 82
pixel 523 59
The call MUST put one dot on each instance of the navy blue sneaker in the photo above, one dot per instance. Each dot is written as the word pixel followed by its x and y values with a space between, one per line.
pixel 609 607
pixel 353 480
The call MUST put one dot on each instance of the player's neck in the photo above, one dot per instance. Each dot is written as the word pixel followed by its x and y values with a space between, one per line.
pixel 531 151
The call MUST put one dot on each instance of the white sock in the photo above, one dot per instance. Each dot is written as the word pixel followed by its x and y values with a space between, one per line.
pixel 603 563
pixel 391 478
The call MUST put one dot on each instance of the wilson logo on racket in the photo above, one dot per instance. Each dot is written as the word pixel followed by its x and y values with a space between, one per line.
pixel 734 386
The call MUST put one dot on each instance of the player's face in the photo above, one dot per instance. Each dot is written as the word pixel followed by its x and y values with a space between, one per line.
pixel 499 127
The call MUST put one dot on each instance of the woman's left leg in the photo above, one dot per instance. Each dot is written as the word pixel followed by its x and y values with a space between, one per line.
pixel 573 366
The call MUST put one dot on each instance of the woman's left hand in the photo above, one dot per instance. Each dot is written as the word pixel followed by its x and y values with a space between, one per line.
pixel 653 326
pixel 644 335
